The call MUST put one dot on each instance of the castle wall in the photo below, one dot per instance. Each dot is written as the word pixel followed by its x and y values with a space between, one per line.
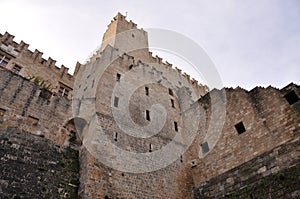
pixel 169 182
pixel 27 106
pixel 33 167
pixel 274 174
pixel 33 65
pixel 269 122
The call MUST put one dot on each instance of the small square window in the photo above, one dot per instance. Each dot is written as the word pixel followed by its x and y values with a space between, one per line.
pixel 148 115
pixel 170 92
pixel 240 128
pixel 147 91
pixel 176 126
pixel 291 97
pixel 116 102
pixel 204 147
pixel 118 77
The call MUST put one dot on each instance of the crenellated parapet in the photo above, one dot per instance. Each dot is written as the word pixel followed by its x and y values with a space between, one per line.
pixel 20 51
pixel 31 64
pixel 158 60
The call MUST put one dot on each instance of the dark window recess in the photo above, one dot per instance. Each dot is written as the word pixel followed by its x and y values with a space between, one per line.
pixel 130 67
pixel 116 136
pixel 172 103
pixel 240 128
pixel 118 77
pixel 148 115
pixel 146 90
pixel 175 126
pixel 170 92
pixel 150 147
pixel 291 97
pixel 106 197
pixel 181 159
pixel 116 102
pixel 204 147
pixel 16 69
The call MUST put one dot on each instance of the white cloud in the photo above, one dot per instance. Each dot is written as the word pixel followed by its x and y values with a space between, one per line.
pixel 251 42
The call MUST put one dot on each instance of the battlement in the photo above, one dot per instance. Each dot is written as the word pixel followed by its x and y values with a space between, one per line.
pixel 192 81
pixel 8 45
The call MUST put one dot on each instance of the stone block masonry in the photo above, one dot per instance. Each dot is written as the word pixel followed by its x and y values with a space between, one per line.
pixel 33 167
pixel 274 174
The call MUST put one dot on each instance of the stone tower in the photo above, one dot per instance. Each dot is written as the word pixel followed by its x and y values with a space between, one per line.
pixel 127 38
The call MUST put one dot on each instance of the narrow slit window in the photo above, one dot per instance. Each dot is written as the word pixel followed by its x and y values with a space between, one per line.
pixel 204 147
pixel 172 103
pixel 240 128
pixel 181 159
pixel 116 102
pixel 118 77
pixel 176 126
pixel 170 92
pixel 291 97
pixel 148 115
pixel 147 91
pixel 116 136
pixel 150 147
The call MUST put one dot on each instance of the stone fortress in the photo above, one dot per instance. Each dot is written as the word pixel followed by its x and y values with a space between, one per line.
pixel 46 136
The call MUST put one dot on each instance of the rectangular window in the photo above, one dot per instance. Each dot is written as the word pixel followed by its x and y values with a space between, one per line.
pixel 240 128
pixel 63 91
pixel 147 91
pixel 3 61
pixel 172 103
pixel 148 115
pixel 170 92
pixel 116 136
pixel 118 77
pixel 150 148
pixel 116 102
pixel 175 126
pixel 16 69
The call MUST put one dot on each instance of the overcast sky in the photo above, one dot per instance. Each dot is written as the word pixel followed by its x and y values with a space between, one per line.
pixel 252 42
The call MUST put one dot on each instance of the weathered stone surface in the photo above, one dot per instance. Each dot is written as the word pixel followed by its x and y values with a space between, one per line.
pixel 257 179
pixel 33 167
